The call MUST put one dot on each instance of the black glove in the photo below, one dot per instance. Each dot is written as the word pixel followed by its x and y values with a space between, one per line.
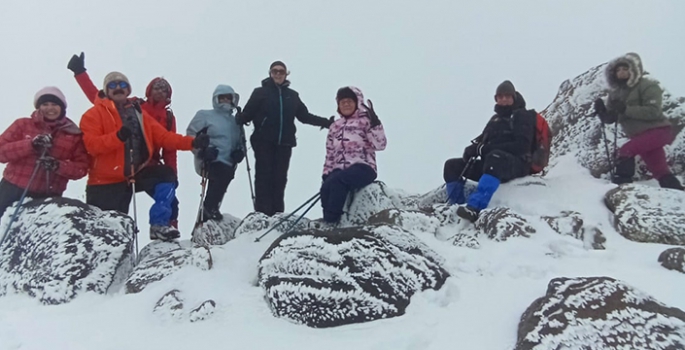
pixel 77 64
pixel 201 141
pixel 600 108
pixel 470 151
pixel 373 117
pixel 208 154
pixel 42 142
pixel 327 124
pixel 48 163
pixel 618 106
pixel 241 118
pixel 124 133
pixel 237 156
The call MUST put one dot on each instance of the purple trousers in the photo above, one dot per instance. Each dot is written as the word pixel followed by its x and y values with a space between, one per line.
pixel 649 145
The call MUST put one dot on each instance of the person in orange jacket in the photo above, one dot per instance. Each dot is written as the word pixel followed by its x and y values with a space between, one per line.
pixel 121 138
pixel 156 103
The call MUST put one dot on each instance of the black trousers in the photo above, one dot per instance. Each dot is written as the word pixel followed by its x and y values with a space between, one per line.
pixel 10 193
pixel 502 165
pixel 117 196
pixel 219 176
pixel 271 175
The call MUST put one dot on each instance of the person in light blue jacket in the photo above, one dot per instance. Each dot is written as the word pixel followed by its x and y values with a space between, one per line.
pixel 226 150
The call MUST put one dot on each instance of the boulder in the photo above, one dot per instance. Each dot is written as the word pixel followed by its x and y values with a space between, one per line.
pixel 215 232
pixel 500 224
pixel 570 223
pixel 673 259
pixel 167 260
pixel 599 313
pixel 648 214
pixel 347 275
pixel 59 248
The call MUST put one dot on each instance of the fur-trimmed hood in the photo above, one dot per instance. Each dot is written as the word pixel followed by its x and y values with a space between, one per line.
pixel 634 67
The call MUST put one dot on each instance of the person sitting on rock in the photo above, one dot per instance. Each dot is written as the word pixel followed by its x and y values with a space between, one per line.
pixel 121 137
pixel 351 148
pixel 635 102
pixel 42 152
pixel 218 161
pixel 504 149
pixel 156 103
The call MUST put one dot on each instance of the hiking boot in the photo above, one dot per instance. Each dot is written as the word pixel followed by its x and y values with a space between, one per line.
pixel 624 170
pixel 468 213
pixel 670 181
pixel 620 180
pixel 211 214
pixel 164 233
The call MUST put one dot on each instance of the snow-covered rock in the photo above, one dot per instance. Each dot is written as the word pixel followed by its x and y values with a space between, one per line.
pixel 648 214
pixel 216 232
pixel 500 224
pixel 577 131
pixel 163 260
pixel 170 305
pixel 203 312
pixel 256 222
pixel 599 313
pixel 59 248
pixel 409 220
pixel 570 223
pixel 673 259
pixel 364 203
pixel 347 275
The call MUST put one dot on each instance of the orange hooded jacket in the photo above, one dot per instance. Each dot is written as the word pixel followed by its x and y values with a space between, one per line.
pixel 100 125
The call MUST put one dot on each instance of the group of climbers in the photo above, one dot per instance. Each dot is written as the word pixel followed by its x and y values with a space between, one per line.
pixel 128 143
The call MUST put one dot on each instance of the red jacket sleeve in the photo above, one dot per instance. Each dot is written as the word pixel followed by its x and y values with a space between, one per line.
pixel 77 166
pixel 87 86
pixel 97 142
pixel 12 144
pixel 169 156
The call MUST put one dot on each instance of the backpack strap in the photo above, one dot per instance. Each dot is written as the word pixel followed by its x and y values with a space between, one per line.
pixel 169 119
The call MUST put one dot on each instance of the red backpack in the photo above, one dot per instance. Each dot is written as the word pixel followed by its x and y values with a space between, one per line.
pixel 542 145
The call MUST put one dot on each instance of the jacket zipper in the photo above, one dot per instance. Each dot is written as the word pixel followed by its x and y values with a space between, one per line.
pixel 342 143
pixel 280 100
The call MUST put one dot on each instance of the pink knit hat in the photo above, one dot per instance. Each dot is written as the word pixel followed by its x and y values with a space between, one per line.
pixel 50 94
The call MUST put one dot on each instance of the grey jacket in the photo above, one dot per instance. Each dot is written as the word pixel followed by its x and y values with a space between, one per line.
pixel 224 133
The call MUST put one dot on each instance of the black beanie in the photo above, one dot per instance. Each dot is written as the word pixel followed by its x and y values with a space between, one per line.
pixel 278 63
pixel 346 92
pixel 50 98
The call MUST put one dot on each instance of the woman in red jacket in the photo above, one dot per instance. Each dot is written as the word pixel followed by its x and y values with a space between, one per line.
pixel 47 140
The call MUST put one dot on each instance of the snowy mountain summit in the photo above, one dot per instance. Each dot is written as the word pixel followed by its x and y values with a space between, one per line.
pixel 561 261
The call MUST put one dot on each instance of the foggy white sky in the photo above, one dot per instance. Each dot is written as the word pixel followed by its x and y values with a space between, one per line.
pixel 431 67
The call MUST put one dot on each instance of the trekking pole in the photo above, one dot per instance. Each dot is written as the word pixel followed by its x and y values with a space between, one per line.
pixel 247 160
pixel 199 221
pixel 21 199
pixel 315 197
pixel 292 226
pixel 606 149
pixel 132 181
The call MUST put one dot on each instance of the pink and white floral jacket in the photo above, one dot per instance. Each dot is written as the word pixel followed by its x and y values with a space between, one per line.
pixel 352 140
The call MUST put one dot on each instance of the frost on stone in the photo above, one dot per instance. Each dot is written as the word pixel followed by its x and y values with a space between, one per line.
pixel 59 248
pixel 437 196
pixel 214 232
pixel 673 259
pixel 599 313
pixel 577 131
pixel 648 214
pixel 500 224
pixel 466 240
pixel 347 275
pixel 409 220
pixel 256 222
pixel 170 306
pixel 570 223
pixel 364 203
pixel 202 312
pixel 153 268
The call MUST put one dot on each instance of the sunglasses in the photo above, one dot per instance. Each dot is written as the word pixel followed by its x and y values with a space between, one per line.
pixel 278 71
pixel 117 84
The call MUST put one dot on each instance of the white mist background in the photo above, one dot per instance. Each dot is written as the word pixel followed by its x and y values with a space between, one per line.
pixel 430 67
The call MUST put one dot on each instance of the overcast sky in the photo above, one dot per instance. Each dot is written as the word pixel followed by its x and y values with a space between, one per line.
pixel 430 67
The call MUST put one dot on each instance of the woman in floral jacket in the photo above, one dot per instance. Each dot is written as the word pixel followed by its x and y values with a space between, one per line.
pixel 351 149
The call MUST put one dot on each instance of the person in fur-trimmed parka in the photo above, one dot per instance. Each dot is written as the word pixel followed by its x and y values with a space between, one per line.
pixel 635 103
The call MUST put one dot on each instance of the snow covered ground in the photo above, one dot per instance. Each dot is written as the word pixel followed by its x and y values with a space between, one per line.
pixel 478 308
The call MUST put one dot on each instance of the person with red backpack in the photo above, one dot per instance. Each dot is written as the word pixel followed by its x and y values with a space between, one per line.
pixel 156 104
pixel 505 152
